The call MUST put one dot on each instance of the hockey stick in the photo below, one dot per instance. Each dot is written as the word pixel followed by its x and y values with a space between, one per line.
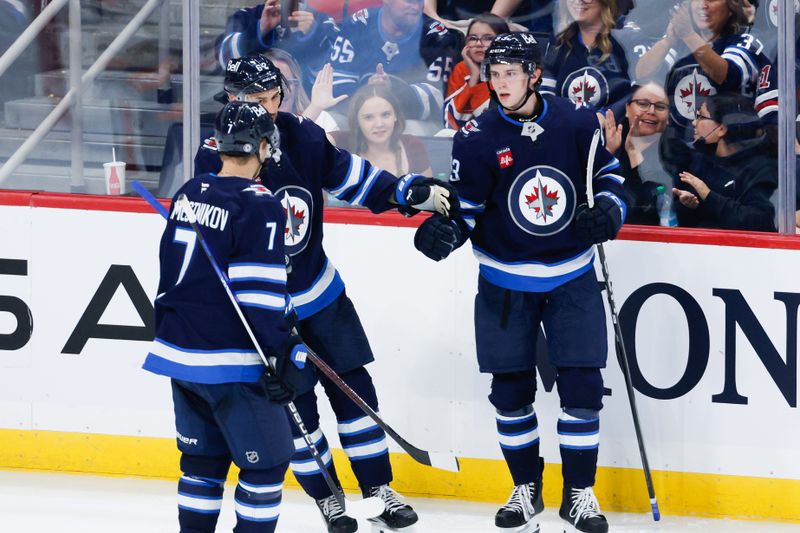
pixel 441 460
pixel 365 508
pixel 620 345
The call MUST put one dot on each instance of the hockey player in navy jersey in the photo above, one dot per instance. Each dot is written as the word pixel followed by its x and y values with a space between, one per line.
pixel 222 413
pixel 520 174
pixel 306 166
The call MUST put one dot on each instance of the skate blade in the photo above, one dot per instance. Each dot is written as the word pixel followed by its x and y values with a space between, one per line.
pixel 531 527
pixel 366 508
pixel 378 528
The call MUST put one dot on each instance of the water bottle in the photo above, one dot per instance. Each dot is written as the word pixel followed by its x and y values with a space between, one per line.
pixel 666 214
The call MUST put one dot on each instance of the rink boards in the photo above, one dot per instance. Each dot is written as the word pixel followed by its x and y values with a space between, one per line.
pixel 710 320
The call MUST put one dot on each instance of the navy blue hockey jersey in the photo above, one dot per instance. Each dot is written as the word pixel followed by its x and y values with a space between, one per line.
pixel 308 164
pixel 423 58
pixel 688 83
pixel 199 337
pixel 243 37
pixel 519 184
pixel 575 72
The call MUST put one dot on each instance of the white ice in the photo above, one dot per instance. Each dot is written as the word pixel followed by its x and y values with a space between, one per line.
pixel 32 502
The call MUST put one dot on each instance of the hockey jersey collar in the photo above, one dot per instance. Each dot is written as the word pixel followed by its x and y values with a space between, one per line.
pixel 519 123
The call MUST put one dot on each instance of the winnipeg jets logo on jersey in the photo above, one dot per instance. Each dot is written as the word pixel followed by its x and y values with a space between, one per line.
pixel 689 91
pixel 586 87
pixel 771 11
pixel 298 205
pixel 542 201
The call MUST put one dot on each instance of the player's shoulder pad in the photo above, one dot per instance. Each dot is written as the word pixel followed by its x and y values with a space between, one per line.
pixel 360 17
pixel 210 144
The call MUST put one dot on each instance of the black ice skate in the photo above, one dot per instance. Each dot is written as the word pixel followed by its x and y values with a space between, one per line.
pixel 520 511
pixel 334 516
pixel 397 515
pixel 579 507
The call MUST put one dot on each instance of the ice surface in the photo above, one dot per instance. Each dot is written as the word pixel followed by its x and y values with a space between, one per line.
pixel 32 502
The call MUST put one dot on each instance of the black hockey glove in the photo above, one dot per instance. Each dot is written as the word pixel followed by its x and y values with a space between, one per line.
pixel 600 223
pixel 415 193
pixel 437 237
pixel 289 359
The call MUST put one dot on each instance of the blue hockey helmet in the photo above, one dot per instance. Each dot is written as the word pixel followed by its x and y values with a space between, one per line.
pixel 251 74
pixel 240 127
pixel 513 48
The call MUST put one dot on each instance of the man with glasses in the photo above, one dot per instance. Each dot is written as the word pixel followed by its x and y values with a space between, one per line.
pixel 520 171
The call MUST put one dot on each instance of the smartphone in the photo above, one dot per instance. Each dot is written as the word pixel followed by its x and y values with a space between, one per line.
pixel 287 8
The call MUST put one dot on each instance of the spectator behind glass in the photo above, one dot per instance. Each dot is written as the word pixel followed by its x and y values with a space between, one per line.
pixel 585 63
pixel 635 143
pixel 376 133
pixel 731 184
pixel 253 30
pixel 716 56
pixel 533 15
pixel 467 96
pixel 296 99
pixel 397 44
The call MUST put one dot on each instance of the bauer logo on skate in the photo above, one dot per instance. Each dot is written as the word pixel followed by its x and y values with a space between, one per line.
pixel 542 200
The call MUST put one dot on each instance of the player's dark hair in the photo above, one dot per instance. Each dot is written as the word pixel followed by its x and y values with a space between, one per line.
pixel 737 113
pixel 498 24
pixel 737 23
pixel 608 19
pixel 358 139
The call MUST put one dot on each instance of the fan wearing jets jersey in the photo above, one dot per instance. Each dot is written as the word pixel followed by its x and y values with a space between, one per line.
pixel 716 55
pixel 222 414
pixel 585 63
pixel 520 172
pixel 303 166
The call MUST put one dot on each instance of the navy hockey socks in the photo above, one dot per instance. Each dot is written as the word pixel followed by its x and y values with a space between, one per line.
pixel 199 503
pixel 518 433
pixel 364 442
pixel 579 439
pixel 305 468
pixel 258 500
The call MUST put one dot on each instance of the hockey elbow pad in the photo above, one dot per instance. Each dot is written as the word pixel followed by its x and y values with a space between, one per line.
pixel 600 223
pixel 437 237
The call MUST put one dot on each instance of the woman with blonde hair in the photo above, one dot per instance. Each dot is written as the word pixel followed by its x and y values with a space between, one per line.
pixel 585 63
pixel 376 125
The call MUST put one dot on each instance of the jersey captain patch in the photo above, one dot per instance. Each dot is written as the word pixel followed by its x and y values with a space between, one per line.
pixel 542 200
pixel 298 205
